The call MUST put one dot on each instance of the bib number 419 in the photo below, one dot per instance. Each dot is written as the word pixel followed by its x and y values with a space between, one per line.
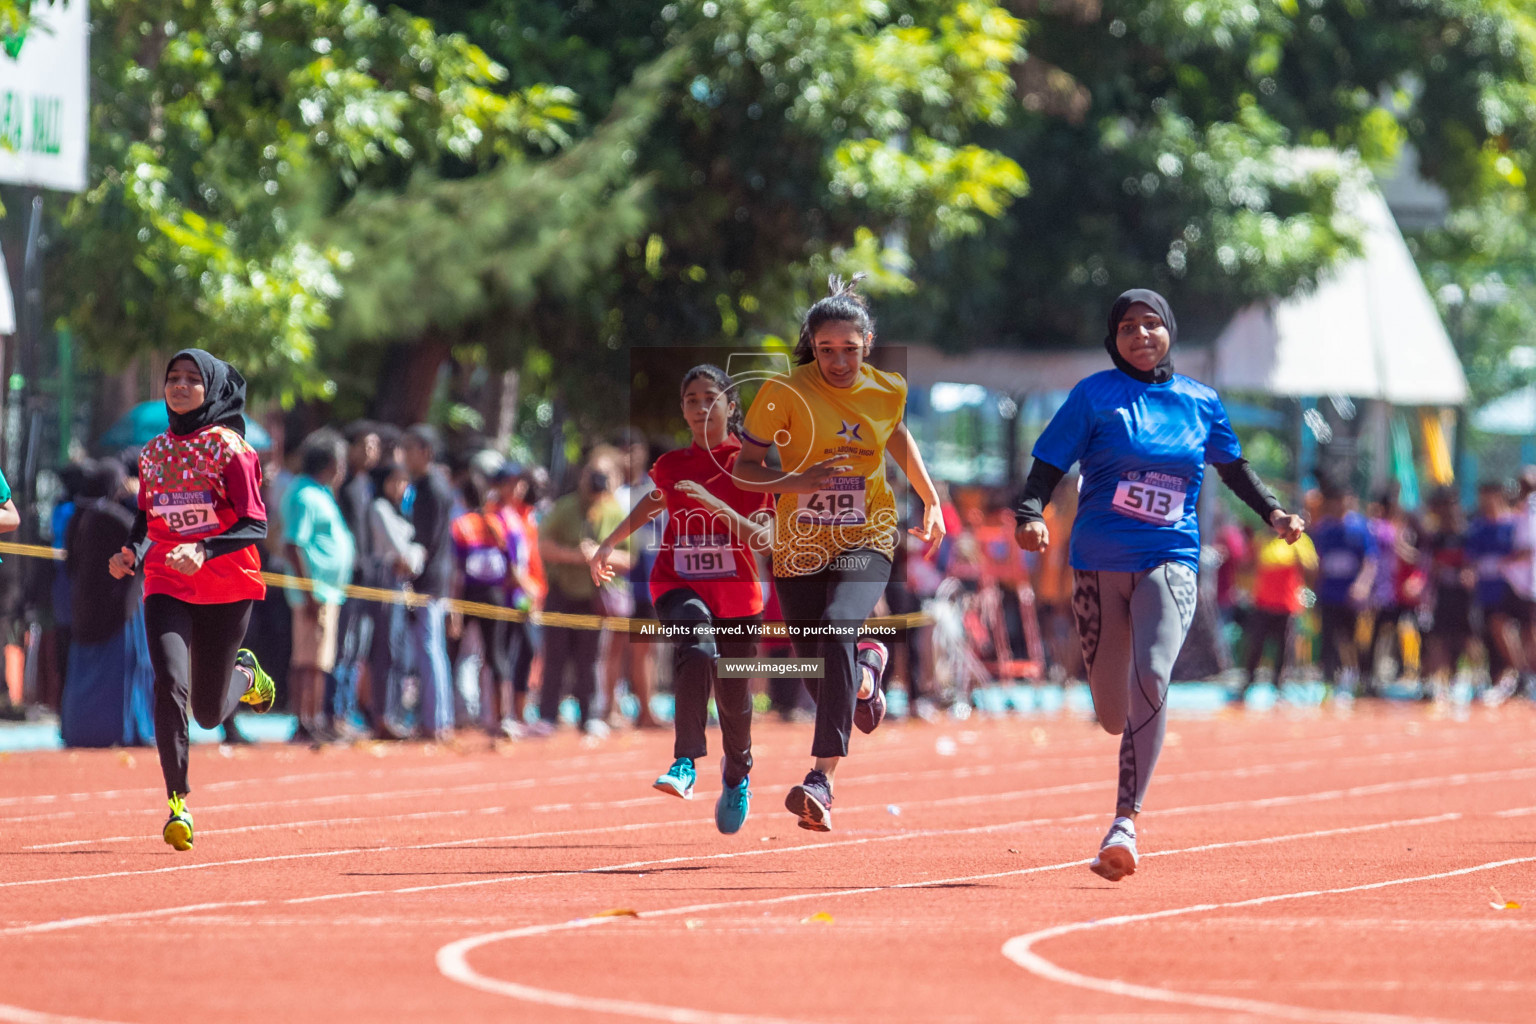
pixel 831 503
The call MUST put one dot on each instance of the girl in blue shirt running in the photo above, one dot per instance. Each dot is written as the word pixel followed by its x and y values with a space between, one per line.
pixel 1143 435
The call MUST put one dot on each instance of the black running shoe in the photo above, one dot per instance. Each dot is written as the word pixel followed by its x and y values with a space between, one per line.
pixel 811 801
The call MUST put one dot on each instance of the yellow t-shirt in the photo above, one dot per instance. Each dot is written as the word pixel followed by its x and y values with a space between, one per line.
pixel 810 421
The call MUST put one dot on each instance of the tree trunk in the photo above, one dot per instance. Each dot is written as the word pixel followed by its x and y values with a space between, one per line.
pixel 408 379
pixel 506 412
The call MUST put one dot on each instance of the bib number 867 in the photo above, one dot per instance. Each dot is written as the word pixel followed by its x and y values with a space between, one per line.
pixel 187 519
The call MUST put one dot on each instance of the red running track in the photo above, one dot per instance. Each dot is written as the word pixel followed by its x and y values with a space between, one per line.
pixel 1307 866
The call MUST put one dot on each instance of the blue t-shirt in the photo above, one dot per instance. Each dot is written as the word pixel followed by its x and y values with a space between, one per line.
pixel 1343 544
pixel 1143 449
pixel 1489 543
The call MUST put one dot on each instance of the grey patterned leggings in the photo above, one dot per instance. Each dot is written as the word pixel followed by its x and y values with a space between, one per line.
pixel 1132 625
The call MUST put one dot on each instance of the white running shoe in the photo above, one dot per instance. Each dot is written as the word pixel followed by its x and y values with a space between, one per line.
pixel 1117 853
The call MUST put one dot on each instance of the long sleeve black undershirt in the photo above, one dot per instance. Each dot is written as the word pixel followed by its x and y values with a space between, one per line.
pixel 1245 483
pixel 1237 475
pixel 1038 488
pixel 242 533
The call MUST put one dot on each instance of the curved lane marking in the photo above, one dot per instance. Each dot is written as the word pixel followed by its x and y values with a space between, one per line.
pixel 1020 949
pixel 453 958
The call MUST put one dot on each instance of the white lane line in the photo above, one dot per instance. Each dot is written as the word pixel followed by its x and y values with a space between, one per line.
pixel 1020 949
pixel 1248 772
pixel 1515 812
pixel 276 780
pixel 21 1015
pixel 326 822
pixel 453 959
pixel 67 923
pixel 1261 802
pixel 960 771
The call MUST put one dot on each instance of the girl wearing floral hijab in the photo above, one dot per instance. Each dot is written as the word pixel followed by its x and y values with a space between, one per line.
pixel 200 516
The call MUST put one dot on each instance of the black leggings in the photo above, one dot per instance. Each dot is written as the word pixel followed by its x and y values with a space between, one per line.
pixel 1263 626
pixel 839 597
pixel 1336 639
pixel 495 643
pixel 192 649
pixel 569 650
pixel 693 677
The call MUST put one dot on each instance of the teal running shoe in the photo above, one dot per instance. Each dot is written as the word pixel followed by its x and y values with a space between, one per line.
pixel 678 780
pixel 733 805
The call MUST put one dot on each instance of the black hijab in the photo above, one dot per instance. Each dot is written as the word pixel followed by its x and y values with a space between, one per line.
pixel 1163 371
pixel 223 395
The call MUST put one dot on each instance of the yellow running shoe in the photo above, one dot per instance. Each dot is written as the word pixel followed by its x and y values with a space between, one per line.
pixel 178 829
pixel 262 693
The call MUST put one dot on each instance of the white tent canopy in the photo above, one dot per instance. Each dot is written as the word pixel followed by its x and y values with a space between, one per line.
pixel 1017 372
pixel 1369 330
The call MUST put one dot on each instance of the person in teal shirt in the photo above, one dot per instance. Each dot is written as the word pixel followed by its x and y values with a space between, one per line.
pixel 9 517
pixel 321 549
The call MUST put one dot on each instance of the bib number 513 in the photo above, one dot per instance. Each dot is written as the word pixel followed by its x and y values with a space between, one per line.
pixel 1157 502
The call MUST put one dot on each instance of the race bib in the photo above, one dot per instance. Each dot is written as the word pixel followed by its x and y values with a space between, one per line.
pixel 1338 565
pixel 1151 497
pixel 840 503
pixel 486 565
pixel 703 557
pixel 185 511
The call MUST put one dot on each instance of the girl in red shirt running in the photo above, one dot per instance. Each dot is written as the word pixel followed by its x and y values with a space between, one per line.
pixel 705 583
pixel 200 515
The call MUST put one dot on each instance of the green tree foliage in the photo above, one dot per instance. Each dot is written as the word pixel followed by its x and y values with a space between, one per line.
pixel 1159 136
pixel 793 138
pixel 223 132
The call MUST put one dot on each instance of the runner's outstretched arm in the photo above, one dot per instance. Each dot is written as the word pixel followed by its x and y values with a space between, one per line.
pixel 1030 532
pixel 605 559
pixel 751 474
pixel 756 535
pixel 1245 483
pixel 904 450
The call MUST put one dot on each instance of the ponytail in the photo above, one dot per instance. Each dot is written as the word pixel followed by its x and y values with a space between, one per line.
pixel 843 304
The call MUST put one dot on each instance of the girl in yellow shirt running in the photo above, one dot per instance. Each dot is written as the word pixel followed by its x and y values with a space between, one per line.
pixel 833 419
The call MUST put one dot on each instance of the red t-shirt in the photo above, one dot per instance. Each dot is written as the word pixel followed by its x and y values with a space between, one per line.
pixel 193 488
pixel 698 551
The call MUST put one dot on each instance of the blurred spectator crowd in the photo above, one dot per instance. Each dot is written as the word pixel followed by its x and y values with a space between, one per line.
pixel 1372 603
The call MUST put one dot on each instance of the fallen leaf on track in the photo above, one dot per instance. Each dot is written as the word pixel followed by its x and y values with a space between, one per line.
pixel 820 917
pixel 617 912
pixel 1500 903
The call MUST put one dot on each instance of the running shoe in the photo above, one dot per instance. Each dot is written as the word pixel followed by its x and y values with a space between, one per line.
pixel 596 729
pixel 1117 854
pixel 812 802
pixel 733 805
pixel 868 712
pixel 262 693
pixel 1506 687
pixel 178 828
pixel 678 780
